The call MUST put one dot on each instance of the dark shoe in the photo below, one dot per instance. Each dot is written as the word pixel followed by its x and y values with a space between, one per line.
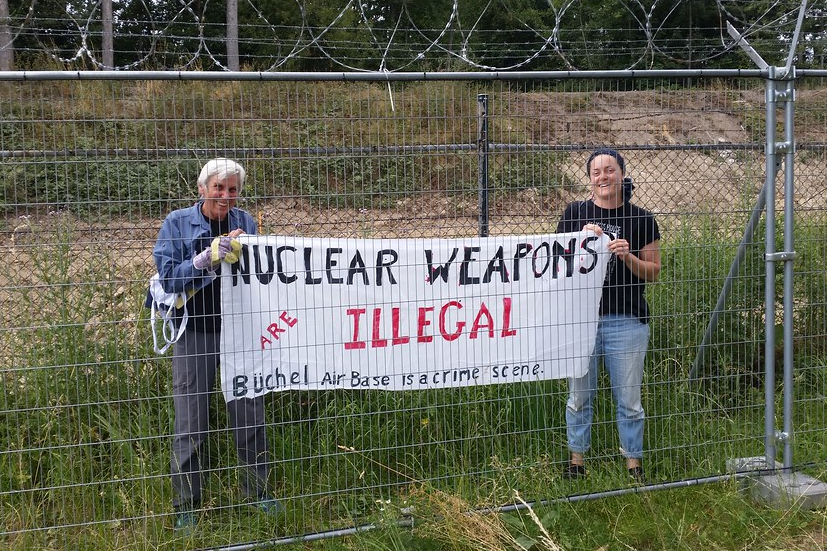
pixel 573 471
pixel 270 506
pixel 185 522
pixel 637 474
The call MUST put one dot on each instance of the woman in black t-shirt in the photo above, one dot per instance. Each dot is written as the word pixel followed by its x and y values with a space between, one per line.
pixel 623 330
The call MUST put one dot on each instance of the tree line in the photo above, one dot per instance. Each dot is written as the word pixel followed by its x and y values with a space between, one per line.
pixel 400 35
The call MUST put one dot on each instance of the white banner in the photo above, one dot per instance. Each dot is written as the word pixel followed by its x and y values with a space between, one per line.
pixel 408 314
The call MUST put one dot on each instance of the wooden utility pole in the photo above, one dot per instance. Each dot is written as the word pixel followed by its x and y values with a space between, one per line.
pixel 6 46
pixel 108 40
pixel 232 35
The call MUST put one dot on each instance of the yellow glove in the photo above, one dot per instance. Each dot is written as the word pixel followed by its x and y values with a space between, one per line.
pixel 226 249
pixel 235 250
pixel 179 300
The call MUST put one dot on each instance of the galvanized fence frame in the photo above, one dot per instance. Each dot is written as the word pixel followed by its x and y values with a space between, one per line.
pixel 32 485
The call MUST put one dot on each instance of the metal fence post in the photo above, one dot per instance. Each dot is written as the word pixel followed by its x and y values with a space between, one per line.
pixel 482 162
pixel 769 282
pixel 788 256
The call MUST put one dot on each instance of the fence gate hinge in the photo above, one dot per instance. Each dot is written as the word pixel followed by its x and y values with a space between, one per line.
pixel 785 95
pixel 780 257
pixel 782 436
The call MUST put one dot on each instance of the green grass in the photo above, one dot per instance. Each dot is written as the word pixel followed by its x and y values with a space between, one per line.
pixel 87 414
pixel 719 516
pixel 88 410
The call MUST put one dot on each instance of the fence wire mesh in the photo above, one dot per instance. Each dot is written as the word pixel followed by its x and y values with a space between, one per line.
pixel 90 169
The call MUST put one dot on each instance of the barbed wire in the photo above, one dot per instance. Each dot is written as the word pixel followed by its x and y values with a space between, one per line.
pixel 386 51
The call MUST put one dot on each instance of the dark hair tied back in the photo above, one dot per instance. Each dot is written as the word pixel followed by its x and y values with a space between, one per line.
pixel 628 186
pixel 611 153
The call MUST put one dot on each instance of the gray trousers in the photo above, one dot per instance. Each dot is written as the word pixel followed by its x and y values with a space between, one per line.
pixel 194 366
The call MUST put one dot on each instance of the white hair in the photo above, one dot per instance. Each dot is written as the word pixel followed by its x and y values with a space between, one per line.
pixel 223 169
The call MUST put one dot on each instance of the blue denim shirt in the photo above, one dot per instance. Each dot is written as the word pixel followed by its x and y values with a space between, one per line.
pixel 185 233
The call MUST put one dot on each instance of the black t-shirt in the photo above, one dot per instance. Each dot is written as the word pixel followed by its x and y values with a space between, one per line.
pixel 622 290
pixel 204 308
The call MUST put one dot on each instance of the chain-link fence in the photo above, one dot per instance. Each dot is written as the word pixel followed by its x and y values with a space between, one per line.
pixel 90 168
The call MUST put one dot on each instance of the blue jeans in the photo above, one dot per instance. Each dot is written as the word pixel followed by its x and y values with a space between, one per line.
pixel 621 343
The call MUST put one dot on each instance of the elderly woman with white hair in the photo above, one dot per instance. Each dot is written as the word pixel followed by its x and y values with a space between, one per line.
pixel 190 248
